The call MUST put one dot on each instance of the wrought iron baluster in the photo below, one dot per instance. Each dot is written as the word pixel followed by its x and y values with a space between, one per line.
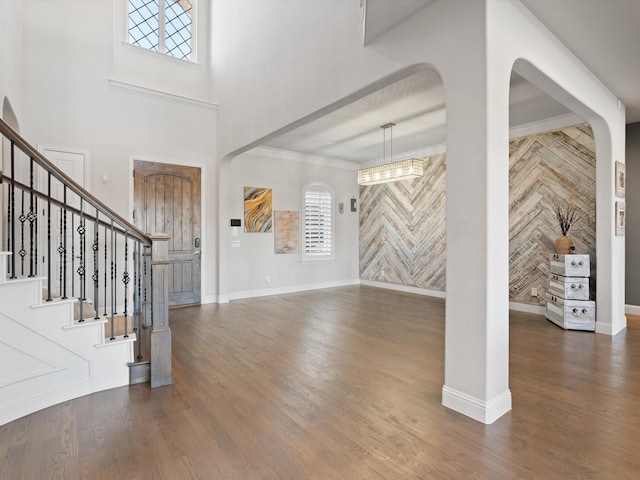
pixel 81 267
pixel 135 286
pixel 60 252
pixel 23 252
pixel 146 283
pixel 35 219
pixel 9 225
pixel 73 254
pixel 105 271
pixel 137 289
pixel 83 253
pixel 113 283
pixel 96 267
pixel 49 237
pixel 125 280
pixel 32 218
pixel 12 214
pixel 64 245
pixel 115 274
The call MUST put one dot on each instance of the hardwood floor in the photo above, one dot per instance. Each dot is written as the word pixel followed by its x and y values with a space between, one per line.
pixel 343 383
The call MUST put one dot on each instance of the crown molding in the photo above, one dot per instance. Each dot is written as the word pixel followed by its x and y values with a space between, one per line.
pixel 546 125
pixel 279 154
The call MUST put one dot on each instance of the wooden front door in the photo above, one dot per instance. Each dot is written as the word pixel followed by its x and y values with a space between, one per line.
pixel 167 200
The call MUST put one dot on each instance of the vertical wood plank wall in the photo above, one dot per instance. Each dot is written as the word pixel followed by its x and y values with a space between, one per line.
pixel 402 224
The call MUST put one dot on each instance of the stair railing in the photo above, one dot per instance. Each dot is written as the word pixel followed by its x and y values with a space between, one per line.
pixel 56 229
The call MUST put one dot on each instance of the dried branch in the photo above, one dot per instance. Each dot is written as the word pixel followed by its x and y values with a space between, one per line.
pixel 567 216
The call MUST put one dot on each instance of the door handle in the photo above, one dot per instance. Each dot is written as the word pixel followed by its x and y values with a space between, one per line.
pixel 196 253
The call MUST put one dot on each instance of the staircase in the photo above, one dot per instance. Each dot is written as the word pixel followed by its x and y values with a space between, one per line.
pixel 79 311
pixel 47 356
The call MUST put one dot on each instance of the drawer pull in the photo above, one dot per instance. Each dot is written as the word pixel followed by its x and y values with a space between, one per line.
pixel 575 287
pixel 578 313
pixel 577 264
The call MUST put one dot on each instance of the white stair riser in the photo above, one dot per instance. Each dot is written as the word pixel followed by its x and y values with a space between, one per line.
pixel 46 357
pixel 16 295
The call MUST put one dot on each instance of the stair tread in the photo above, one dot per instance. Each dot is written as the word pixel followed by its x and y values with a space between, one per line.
pixel 86 323
pixel 117 340
pixel 9 281
pixel 53 301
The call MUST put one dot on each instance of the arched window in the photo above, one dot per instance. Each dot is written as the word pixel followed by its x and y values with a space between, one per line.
pixel 164 26
pixel 318 223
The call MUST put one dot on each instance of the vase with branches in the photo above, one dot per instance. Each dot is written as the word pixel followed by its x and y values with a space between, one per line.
pixel 567 216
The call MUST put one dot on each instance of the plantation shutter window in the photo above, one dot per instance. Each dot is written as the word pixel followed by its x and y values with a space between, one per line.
pixel 318 224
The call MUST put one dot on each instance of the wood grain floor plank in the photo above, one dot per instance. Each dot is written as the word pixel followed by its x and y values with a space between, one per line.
pixel 343 384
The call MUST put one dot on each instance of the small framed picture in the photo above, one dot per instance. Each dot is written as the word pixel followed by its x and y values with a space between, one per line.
pixel 620 218
pixel 621 179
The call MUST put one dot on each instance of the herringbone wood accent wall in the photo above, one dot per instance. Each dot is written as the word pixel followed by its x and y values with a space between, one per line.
pixel 402 230
pixel 402 224
pixel 544 168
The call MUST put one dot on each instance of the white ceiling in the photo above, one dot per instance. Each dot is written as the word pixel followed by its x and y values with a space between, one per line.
pixel 382 15
pixel 605 36
pixel 601 33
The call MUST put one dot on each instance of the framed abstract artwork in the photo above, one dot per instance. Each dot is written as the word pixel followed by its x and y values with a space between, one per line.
pixel 287 231
pixel 257 209
pixel 621 179
pixel 621 211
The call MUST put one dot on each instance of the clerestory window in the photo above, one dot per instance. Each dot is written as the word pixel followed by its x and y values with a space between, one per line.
pixel 164 26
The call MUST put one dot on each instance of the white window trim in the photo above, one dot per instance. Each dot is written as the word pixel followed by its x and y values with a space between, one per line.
pixel 161 39
pixel 305 258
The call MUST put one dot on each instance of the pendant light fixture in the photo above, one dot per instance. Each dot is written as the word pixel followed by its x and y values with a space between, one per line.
pixel 392 171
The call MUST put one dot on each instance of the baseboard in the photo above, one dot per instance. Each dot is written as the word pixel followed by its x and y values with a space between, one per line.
pixel 210 299
pixel 404 288
pixel 607 328
pixel 291 289
pixel 526 308
pixel 632 309
pixel 485 412
pixel 519 307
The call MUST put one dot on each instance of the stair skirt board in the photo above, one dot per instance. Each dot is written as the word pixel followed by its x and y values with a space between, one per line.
pixel 53 358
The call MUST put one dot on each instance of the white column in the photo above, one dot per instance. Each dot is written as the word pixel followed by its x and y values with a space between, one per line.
pixel 477 305
pixel 610 248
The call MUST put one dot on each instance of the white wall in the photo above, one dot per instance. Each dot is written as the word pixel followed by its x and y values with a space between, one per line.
pixel 85 89
pixel 632 234
pixel 11 55
pixel 286 173
pixel 10 82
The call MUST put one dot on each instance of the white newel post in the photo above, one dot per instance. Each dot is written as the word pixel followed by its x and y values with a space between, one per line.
pixel 160 331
